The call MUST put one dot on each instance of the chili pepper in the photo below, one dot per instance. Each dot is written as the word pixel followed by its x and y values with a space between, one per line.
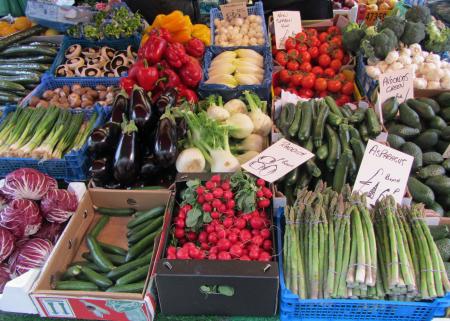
pixel 191 73
pixel 175 54
pixel 168 79
pixel 187 94
pixel 154 49
pixel 147 77
pixel 127 83
pixel 195 47
pixel 132 72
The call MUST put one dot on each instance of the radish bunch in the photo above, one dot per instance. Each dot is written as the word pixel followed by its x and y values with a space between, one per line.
pixel 223 220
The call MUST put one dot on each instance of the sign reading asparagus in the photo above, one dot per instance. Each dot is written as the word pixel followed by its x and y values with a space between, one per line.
pixel 234 10
pixel 277 160
pixel 286 24
pixel 383 171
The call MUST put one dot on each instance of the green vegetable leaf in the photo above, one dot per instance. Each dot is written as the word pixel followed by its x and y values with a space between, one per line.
pixel 226 290
pixel 206 218
pixel 192 217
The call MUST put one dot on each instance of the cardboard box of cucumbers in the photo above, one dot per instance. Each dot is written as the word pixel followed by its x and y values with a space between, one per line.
pixel 103 266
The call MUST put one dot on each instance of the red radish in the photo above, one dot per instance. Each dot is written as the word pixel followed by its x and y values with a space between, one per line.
pixel 264 203
pixel 212 256
pixel 182 215
pixel 245 236
pixel 233 237
pixel 222 208
pixel 216 203
pixel 204 246
pixel 209 185
pixel 255 232
pixel 194 253
pixel 228 195
pixel 244 258
pixel 259 193
pixel 257 240
pixel 188 245
pixel 201 255
pixel 228 222
pixel 265 233
pixel 246 217
pixel 244 251
pixel 267 245
pixel 257 223
pixel 183 254
pixel 224 256
pixel 209 197
pixel 218 192
pixel 260 182
pixel 267 192
pixel 171 256
pixel 264 256
pixel 200 190
pixel 215 178
pixel 231 204
pixel 210 228
pixel 229 213
pixel 222 233
pixel 215 215
pixel 182 241
pixel 212 238
pixel 214 250
pixel 236 250
pixel 192 236
pixel 201 199
pixel 179 233
pixel 254 254
pixel 223 245
pixel 180 223
pixel 207 207
pixel 226 186
pixel 172 250
pixel 202 236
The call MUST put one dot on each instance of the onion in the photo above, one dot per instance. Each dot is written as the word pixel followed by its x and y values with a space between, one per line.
pixel 30 254
pixel 21 217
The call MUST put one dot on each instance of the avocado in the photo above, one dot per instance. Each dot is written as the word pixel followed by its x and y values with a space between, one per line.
pixel 443 246
pixel 439 232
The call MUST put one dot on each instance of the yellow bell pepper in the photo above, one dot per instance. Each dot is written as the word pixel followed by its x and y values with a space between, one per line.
pixel 202 32
pixel 184 34
pixel 144 39
pixel 157 22
pixel 174 21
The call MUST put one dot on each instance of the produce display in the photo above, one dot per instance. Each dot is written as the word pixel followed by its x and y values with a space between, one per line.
pixel 31 220
pixel 111 268
pixel 223 219
pixel 420 127
pixel 75 96
pixel 236 68
pixel 441 236
pixel 113 24
pixel 44 133
pixel 335 247
pixel 344 4
pixel 375 5
pixel 314 66
pixel 248 31
pixel 336 136
pixel 95 62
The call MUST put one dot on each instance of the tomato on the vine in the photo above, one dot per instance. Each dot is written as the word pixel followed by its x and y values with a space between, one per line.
pixel 281 58
pixel 292 65
pixel 313 52
pixel 274 51
pixel 301 47
pixel 308 81
pixel 293 54
pixel 306 67
pixel 341 77
pixel 305 56
pixel 301 37
pixel 347 88
pixel 296 80
pixel 330 73
pixel 334 30
pixel 317 70
pixel 323 36
pixel 285 76
pixel 324 48
pixel 320 84
pixel 335 64
pixel 290 43
pixel 311 32
pixel 336 40
pixel 306 93
pixel 334 85
pixel 337 53
pixel 324 60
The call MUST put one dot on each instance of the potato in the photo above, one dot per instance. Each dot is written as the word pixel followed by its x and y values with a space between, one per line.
pixel 34 101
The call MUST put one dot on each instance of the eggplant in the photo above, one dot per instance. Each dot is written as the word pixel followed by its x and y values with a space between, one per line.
pixel 142 111
pixel 167 100
pixel 104 140
pixel 149 168
pixel 182 128
pixel 165 147
pixel 120 108
pixel 127 157
pixel 101 170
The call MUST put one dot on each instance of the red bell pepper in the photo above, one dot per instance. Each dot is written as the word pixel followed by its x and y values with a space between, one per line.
pixel 175 55
pixel 187 94
pixel 154 49
pixel 195 47
pixel 162 32
pixel 191 73
pixel 132 72
pixel 127 83
pixel 147 76
pixel 168 79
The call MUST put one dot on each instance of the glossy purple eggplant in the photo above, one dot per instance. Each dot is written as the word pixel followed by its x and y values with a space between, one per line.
pixel 165 147
pixel 149 168
pixel 101 171
pixel 103 140
pixel 127 157
pixel 120 108
pixel 167 100
pixel 142 111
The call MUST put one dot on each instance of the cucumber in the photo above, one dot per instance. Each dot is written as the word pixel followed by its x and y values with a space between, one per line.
pixel 427 139
pixel 444 99
pixel 39 59
pixel 18 36
pixel 446 164
pixel 129 267
pixel 403 131
pixel 134 276
pixel 6 97
pixel 390 108
pixel 437 208
pixel 112 249
pixel 322 152
pixel 437 123
pixel 415 151
pixel 28 51
pixel 99 257
pixel 424 110
pixel 25 66
pixel 11 86
pixel 145 216
pixel 128 288
pixel 76 286
pixel 439 184
pixel 88 264
pixel 13 72
pixel 408 116
pixel 114 258
pixel 445 133
pixel 358 149
pixel 430 158
pixel 115 211
pixel 141 246
pixel 151 227
pixel 431 102
pixel 395 141
pixel 22 79
pixel 420 192
pixel 97 278
pixel 445 113
pixel 71 272
pixel 431 170
pixel 99 226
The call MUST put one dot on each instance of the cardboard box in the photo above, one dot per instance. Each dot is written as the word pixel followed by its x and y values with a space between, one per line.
pixel 98 305
pixel 179 282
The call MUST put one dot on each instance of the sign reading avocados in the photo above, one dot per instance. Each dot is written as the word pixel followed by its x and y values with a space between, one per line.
pixel 398 83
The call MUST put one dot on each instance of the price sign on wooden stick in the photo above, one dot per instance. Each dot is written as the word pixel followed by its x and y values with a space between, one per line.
pixel 286 24
pixel 234 10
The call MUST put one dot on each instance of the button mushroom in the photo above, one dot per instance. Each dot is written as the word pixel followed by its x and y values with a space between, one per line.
pixel 73 51
pixel 74 100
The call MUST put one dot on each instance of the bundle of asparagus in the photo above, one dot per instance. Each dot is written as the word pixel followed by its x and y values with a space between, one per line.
pixel 332 249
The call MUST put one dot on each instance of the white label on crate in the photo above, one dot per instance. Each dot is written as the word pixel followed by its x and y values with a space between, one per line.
pixel 57 307
pixel 383 171
pixel 277 160
pixel 286 24
pixel 398 83
pixel 447 152
pixel 234 10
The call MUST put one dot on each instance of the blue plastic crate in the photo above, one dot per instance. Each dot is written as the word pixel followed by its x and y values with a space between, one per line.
pixel 415 2
pixel 292 308
pixel 367 85
pixel 257 9
pixel 118 44
pixel 52 83
pixel 262 90
pixel 72 167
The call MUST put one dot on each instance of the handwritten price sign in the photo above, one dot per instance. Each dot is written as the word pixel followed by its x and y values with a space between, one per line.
pixel 383 171
pixel 286 24
pixel 234 10
pixel 277 160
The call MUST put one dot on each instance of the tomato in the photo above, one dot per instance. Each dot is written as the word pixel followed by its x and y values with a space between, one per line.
pixel 308 81
pixel 317 70
pixel 330 73
pixel 336 64
pixel 320 84
pixel 311 32
pixel 305 56
pixel 296 80
pixel 338 53
pixel 281 58
pixel 343 99
pixel 306 93
pixel 323 36
pixel 306 67
pixel 313 42
pixel 347 88
pixel 348 74
pixel 324 60
pixel 341 77
pixel 324 48
pixel 293 54
pixel 313 52
pixel 334 85
pixel 274 51
pixel 334 30
pixel 292 65
pixel 290 43
pixel 301 37
pixel 336 40
pixel 302 47
pixel 292 91
pixel 285 76
pixel 275 78
pixel 277 91
pixel 323 93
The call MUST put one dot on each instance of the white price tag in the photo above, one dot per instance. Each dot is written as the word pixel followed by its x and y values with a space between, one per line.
pixel 234 10
pixel 447 152
pixel 286 24
pixel 277 160
pixel 398 83
pixel 383 171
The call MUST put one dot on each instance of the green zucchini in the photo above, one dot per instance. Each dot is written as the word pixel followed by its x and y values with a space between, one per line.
pixel 334 120
pixel 151 227
pixel 322 152
pixel 334 108
pixel 115 211
pixel 16 72
pixel 373 123
pixel 114 258
pixel 358 149
pixel 38 59
pixel 134 276
pixel 6 97
pixel 97 278
pixel 306 121
pixel 341 171
pixel 72 271
pixel 295 124
pixel 286 118
pixel 358 116
pixel 145 216
pixel 76 286
pixel 313 169
pixel 319 127
pixel 18 36
pixel 128 288
pixel 28 51
pixel 10 86
pixel 25 66
pixel 334 147
pixel 22 79
pixel 129 267
pixel 141 246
